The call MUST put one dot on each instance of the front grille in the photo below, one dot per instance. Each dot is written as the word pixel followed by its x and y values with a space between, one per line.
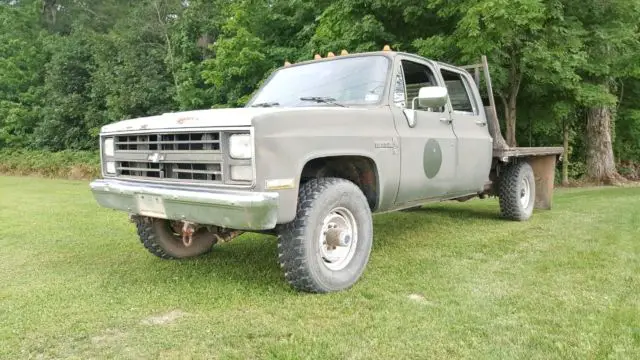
pixel 191 156
pixel 201 141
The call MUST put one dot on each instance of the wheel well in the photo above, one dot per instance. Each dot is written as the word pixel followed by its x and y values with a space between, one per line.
pixel 360 170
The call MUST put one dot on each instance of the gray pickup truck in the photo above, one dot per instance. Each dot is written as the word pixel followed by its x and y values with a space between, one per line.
pixel 321 146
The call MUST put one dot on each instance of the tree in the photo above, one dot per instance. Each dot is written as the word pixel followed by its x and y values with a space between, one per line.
pixel 612 44
pixel 349 25
pixel 627 130
pixel 522 38
pixel 67 79
pixel 22 55
pixel 198 27
pixel 240 61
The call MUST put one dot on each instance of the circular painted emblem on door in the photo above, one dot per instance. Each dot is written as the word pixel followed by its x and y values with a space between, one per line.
pixel 432 158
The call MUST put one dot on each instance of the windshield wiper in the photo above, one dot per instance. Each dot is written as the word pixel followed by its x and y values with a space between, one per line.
pixel 322 99
pixel 265 104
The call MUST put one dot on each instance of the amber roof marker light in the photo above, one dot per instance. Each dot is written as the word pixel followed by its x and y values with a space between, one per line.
pixel 331 54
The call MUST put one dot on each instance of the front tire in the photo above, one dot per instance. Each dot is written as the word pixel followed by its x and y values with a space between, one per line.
pixel 517 191
pixel 327 247
pixel 162 239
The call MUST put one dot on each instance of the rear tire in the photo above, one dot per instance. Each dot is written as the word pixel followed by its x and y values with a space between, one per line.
pixel 163 241
pixel 517 191
pixel 312 257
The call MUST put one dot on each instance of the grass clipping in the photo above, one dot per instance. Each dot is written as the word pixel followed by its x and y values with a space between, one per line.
pixel 67 164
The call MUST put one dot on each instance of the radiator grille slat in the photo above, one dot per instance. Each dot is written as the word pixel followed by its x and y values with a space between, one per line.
pixel 182 164
pixel 201 141
pixel 182 171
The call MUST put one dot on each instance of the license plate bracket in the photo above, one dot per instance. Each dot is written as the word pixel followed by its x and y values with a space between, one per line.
pixel 151 205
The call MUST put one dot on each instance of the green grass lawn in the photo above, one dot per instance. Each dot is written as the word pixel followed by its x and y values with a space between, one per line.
pixel 448 281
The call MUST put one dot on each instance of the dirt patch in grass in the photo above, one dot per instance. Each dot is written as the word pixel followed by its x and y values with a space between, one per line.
pixel 108 337
pixel 419 298
pixel 164 319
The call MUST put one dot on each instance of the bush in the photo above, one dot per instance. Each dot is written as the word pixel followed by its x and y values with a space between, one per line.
pixel 65 164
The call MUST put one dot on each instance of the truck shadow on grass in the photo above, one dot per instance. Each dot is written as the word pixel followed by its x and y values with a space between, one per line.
pixel 457 212
pixel 251 260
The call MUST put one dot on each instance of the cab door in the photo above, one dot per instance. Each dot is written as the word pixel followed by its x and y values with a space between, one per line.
pixel 428 148
pixel 474 143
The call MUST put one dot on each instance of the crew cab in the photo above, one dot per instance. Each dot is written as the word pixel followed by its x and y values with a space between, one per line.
pixel 318 149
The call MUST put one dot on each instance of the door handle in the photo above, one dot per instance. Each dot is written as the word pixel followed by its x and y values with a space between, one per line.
pixel 481 123
pixel 445 120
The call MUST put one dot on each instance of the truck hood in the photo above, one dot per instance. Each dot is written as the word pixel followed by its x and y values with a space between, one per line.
pixel 233 117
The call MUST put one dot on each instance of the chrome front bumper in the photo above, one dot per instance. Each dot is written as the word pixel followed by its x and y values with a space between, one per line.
pixel 242 210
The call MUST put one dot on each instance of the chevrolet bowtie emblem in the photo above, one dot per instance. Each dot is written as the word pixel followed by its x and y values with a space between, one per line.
pixel 155 157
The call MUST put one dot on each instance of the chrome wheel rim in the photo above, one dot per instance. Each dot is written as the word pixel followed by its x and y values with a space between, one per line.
pixel 338 239
pixel 525 193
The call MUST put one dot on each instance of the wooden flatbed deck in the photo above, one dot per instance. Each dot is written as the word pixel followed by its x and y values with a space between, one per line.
pixel 526 151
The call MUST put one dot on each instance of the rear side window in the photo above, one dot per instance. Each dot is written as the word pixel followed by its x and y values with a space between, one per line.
pixel 459 95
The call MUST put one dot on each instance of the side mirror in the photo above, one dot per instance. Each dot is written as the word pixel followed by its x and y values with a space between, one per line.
pixel 428 97
pixel 431 97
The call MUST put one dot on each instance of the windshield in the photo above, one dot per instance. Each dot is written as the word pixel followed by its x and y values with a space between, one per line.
pixel 356 80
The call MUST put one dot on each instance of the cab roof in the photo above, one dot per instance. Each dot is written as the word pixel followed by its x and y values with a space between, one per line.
pixel 387 53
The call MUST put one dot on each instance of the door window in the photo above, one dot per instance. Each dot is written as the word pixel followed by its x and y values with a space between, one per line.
pixel 417 76
pixel 458 89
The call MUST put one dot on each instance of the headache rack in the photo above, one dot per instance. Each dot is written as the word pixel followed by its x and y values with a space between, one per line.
pixel 501 150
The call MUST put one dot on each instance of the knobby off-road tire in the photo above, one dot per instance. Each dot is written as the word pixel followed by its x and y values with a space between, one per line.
pixel 307 264
pixel 160 239
pixel 517 191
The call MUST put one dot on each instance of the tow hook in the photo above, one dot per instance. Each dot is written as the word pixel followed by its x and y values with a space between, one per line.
pixel 188 228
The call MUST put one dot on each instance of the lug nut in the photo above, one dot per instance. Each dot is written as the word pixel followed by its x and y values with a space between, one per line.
pixel 345 239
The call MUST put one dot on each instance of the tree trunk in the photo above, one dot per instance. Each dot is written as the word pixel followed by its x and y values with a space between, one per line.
pixel 601 166
pixel 565 157
pixel 50 10
pixel 494 129
pixel 509 100
pixel 510 117
pixel 165 30
pixel 510 121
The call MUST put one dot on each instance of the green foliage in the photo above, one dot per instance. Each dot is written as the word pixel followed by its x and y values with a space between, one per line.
pixel 349 25
pixel 69 67
pixel 239 65
pixel 627 145
pixel 21 73
pixel 63 164
pixel 67 78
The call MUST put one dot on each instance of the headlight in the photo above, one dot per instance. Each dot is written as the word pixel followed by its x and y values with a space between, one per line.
pixel 241 173
pixel 108 147
pixel 111 167
pixel 240 146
